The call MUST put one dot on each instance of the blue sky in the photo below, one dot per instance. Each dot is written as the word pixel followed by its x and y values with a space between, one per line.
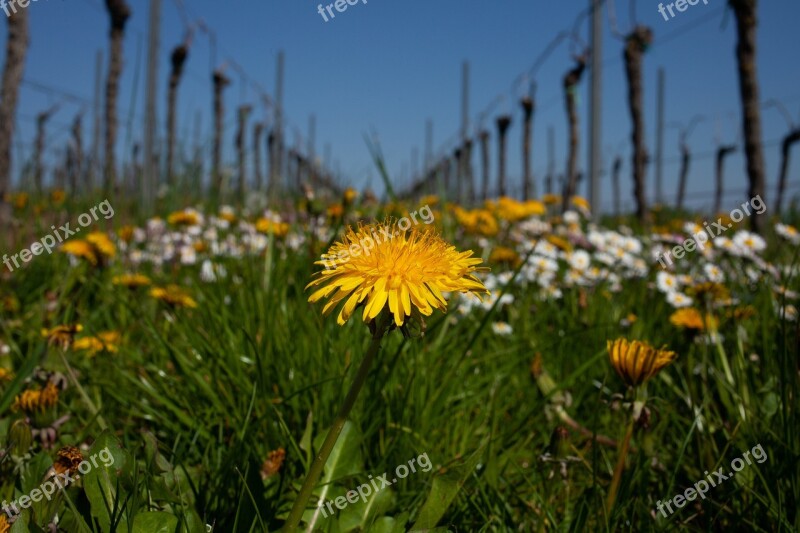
pixel 389 66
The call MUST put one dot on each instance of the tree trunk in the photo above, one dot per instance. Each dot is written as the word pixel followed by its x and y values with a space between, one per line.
pixel 41 133
pixel 745 12
pixel 615 169
pixel 468 174
pixel 178 59
pixel 241 151
pixel 635 45
pixel 503 122
pixel 271 155
pixel 118 12
pixel 459 164
pixel 528 187
pixel 571 81
pixel 77 149
pixel 484 138
pixel 684 173
pixel 258 131
pixel 786 147
pixel 722 153
pixel 16 48
pixel 220 82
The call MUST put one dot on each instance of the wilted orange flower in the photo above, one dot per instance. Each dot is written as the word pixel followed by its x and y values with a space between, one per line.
pixel 637 361
pixel 61 335
pixel 68 459
pixel 406 273
pixel 131 281
pixel 32 401
pixel 272 465
pixel 174 296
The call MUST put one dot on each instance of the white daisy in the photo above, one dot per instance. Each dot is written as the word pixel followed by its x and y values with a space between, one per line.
pixel 678 299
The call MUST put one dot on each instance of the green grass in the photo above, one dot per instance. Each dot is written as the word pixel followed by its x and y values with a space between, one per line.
pixel 193 404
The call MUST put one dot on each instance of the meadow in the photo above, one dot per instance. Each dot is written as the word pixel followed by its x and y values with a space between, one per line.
pixel 187 346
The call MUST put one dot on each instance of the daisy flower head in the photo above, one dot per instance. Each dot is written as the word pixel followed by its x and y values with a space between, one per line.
pixel 788 232
pixel 678 299
pixel 579 260
pixel 666 282
pixel 749 241
pixel 382 265
pixel 502 328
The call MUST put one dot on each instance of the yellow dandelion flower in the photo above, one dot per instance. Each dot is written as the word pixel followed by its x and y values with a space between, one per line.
pixel 335 211
pixel 690 318
pixel 551 199
pixel 105 341
pixel 559 242
pixel 407 272
pixel 102 244
pixel 183 218
pixel 477 221
pixel 227 215
pixel 5 527
pixel 637 361
pixel 174 296
pixel 431 200
pixel 21 200
pixel 744 312
pixel 503 255
pixel 81 249
pixel 62 335
pixel 5 374
pixel 32 401
pixel 580 202
pixel 131 281
pixel 126 233
pixel 279 229
pixel 709 291
pixel 58 196
pixel 350 194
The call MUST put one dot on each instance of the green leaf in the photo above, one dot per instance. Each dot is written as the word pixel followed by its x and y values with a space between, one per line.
pixel 102 481
pixel 155 522
pixel 444 489
pixel 359 515
pixel 345 460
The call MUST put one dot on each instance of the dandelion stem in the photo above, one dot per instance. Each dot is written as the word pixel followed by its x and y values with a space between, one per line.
pixel 623 454
pixel 314 473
